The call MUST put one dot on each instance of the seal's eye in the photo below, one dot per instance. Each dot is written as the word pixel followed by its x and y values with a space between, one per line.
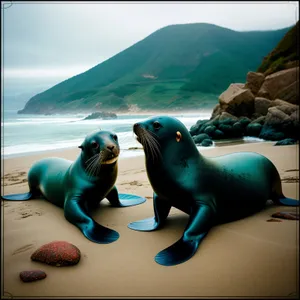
pixel 178 136
pixel 156 125
pixel 115 137
pixel 95 145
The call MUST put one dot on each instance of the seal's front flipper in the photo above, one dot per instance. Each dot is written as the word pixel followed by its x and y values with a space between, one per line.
pixel 161 211
pixel 178 253
pixel 18 197
pixel 201 220
pixel 288 202
pixel 76 214
pixel 123 200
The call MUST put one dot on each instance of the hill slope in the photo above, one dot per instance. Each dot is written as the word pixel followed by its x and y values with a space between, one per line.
pixel 285 54
pixel 176 67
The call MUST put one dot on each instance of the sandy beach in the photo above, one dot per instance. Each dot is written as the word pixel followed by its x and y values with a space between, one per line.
pixel 249 257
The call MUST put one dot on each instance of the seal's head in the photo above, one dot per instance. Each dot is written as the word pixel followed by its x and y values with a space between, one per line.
pixel 100 148
pixel 163 135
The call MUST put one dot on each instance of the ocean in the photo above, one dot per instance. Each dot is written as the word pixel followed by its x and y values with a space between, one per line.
pixel 26 134
pixel 29 134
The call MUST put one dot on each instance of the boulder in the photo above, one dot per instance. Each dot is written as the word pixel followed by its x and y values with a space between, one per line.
pixel 261 105
pixel 286 142
pixel 253 129
pixel 269 133
pixel 101 115
pixel 260 120
pixel 33 275
pixel 216 111
pixel 200 137
pixel 244 121
pixel 295 117
pixel 254 81
pixel 210 130
pixel 276 116
pixel 290 93
pixel 57 253
pixel 281 83
pixel 195 129
pixel 218 135
pixel 237 101
pixel 206 143
pixel 225 115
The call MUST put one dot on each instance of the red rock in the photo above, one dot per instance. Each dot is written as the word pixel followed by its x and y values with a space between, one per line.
pixel 57 253
pixel 286 215
pixel 33 275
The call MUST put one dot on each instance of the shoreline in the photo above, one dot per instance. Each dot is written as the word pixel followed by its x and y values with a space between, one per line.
pixel 136 152
pixel 250 252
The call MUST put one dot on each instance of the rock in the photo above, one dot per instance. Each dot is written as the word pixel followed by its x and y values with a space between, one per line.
pixel 218 135
pixel 33 275
pixel 269 133
pixel 261 105
pixel 286 142
pixel 57 253
pixel 210 130
pixel 253 129
pixel 276 116
pixel 274 220
pixel 237 101
pixel 244 121
pixel 286 215
pixel 200 137
pixel 254 81
pixel 206 143
pixel 227 129
pixel 238 129
pixel 225 115
pixel 290 93
pixel 216 111
pixel 101 115
pixel 295 117
pixel 260 120
pixel 195 129
pixel 277 84
pixel 287 109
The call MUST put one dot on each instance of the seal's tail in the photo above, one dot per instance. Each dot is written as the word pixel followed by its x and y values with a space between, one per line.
pixel 18 197
pixel 288 201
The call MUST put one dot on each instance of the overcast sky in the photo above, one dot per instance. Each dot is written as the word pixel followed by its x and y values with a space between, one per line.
pixel 46 42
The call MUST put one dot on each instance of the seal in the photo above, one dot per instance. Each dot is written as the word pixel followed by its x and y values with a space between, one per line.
pixel 211 190
pixel 79 186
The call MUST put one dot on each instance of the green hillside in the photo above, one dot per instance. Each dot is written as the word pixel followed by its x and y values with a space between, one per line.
pixel 177 67
pixel 285 54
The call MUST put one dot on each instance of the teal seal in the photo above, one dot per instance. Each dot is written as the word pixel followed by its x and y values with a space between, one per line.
pixel 79 186
pixel 210 190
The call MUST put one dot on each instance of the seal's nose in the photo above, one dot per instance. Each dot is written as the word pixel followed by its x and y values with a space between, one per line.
pixel 110 147
pixel 136 126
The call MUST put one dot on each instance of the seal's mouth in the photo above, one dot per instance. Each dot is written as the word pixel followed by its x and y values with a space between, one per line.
pixel 109 161
pixel 148 140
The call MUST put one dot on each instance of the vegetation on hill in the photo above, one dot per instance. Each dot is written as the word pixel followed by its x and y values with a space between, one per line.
pixel 177 67
pixel 284 55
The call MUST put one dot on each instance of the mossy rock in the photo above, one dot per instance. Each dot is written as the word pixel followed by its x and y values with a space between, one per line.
pixel 271 134
pixel 206 142
pixel 210 130
pixel 286 142
pixel 254 129
pixel 218 135
pixel 200 137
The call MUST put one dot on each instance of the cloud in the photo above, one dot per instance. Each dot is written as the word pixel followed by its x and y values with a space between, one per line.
pixel 65 38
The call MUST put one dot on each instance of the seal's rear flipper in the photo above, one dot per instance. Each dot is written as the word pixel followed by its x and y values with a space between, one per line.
pixel 18 197
pixel 99 234
pixel 144 225
pixel 130 200
pixel 289 202
pixel 123 200
pixel 178 253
